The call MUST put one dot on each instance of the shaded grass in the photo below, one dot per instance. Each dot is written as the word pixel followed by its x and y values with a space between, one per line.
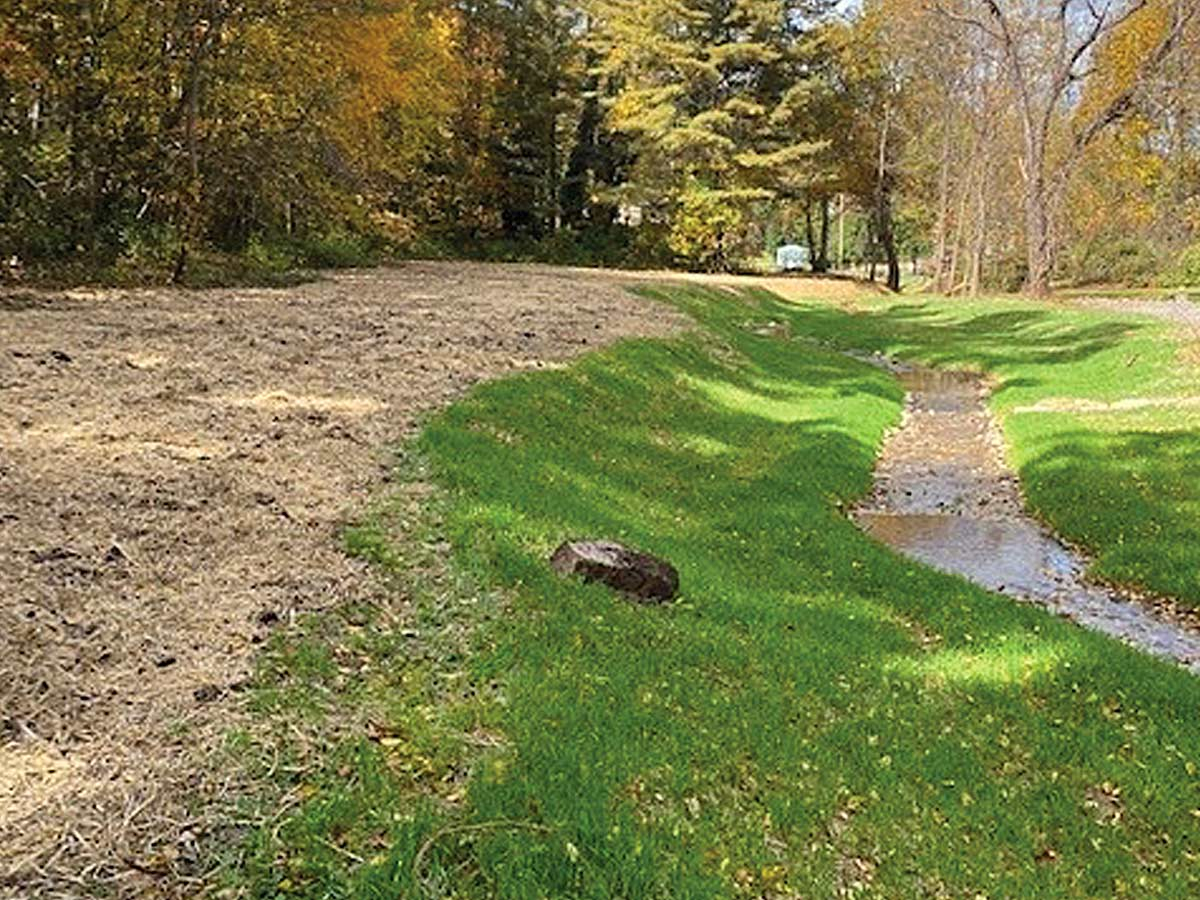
pixel 814 717
pixel 1125 486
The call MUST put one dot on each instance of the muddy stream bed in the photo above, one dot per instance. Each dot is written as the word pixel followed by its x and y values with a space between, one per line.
pixel 944 495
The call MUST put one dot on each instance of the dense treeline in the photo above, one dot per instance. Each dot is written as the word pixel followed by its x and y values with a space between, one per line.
pixel 1001 142
pixel 137 131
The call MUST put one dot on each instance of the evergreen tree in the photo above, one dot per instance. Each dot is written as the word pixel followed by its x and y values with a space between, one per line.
pixel 713 94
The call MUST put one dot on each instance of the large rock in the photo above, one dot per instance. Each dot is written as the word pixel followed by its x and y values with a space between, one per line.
pixel 639 575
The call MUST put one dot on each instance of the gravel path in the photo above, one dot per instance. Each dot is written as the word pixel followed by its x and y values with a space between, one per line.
pixel 1178 311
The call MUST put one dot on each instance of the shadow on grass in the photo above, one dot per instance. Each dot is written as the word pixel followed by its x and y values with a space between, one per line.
pixel 1132 497
pixel 994 341
pixel 815 712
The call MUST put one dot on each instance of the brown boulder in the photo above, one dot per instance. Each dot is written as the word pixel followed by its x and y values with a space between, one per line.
pixel 638 575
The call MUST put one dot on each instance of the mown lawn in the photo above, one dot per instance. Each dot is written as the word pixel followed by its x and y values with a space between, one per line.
pixel 816 716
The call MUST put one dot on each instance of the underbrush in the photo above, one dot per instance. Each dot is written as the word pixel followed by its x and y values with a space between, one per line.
pixel 1186 271
pixel 1128 261
pixel 814 715
pixel 612 246
pixel 149 256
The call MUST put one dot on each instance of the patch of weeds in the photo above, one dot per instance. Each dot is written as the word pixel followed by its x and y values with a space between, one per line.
pixel 369 541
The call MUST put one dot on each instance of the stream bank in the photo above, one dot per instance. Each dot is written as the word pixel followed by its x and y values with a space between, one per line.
pixel 944 495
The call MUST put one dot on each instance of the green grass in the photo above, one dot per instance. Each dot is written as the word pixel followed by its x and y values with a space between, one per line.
pixel 1126 485
pixel 1123 485
pixel 814 717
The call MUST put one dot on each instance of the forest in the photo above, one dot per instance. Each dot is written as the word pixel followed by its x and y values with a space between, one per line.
pixel 150 139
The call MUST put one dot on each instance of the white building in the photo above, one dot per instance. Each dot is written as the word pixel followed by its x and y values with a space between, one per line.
pixel 791 257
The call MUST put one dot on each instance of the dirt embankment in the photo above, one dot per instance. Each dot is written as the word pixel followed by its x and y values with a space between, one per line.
pixel 174 470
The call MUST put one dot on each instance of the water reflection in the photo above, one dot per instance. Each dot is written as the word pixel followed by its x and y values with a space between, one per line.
pixel 944 496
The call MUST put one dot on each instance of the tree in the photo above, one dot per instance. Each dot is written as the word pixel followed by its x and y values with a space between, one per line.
pixel 868 83
pixel 172 123
pixel 710 94
pixel 1047 51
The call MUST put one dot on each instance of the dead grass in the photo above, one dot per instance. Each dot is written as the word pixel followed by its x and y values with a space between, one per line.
pixel 844 292
pixel 176 468
pixel 1127 404
pixel 1189 350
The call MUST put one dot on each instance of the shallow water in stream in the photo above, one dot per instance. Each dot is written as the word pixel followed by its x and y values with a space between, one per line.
pixel 944 495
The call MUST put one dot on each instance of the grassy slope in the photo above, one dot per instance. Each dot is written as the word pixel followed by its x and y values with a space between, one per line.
pixel 814 714
pixel 1124 485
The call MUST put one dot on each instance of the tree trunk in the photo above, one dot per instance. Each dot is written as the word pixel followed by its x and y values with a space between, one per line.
pixel 942 225
pixel 190 101
pixel 810 236
pixel 1037 239
pixel 883 205
pixel 184 222
pixel 959 245
pixel 841 231
pixel 887 240
pixel 1039 251
pixel 979 239
pixel 823 244
pixel 872 247
pixel 573 195
pixel 35 110
pixel 553 175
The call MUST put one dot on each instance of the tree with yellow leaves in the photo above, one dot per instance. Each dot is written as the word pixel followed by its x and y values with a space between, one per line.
pixel 1049 51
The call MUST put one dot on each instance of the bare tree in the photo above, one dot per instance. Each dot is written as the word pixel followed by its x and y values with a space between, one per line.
pixel 1047 49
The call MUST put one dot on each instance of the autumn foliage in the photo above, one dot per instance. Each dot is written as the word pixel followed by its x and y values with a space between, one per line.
pixel 997 144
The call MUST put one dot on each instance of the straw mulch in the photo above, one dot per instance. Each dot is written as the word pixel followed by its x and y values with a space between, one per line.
pixel 175 468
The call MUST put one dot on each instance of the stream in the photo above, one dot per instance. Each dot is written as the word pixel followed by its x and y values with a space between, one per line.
pixel 944 495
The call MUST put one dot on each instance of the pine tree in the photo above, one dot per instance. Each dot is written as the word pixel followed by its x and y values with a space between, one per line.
pixel 713 94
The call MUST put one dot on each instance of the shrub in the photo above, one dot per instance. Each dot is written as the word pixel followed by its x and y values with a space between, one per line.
pixel 1186 271
pixel 1127 261
pixel 147 252
pixel 337 249
pixel 611 246
pixel 270 256
pixel 704 229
